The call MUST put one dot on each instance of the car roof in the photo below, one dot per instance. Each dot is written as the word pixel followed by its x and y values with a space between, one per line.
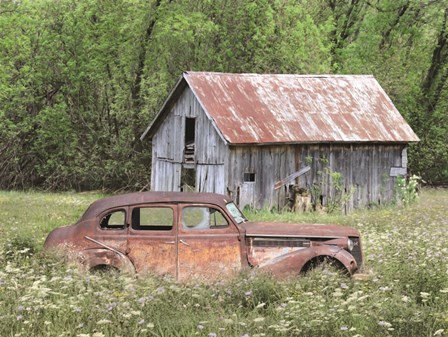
pixel 152 197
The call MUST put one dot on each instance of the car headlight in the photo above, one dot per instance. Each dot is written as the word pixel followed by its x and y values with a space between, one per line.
pixel 350 244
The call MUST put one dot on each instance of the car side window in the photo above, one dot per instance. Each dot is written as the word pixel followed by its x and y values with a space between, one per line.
pixel 152 218
pixel 114 220
pixel 196 217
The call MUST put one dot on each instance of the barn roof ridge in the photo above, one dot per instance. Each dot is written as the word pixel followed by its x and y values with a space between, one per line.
pixel 278 74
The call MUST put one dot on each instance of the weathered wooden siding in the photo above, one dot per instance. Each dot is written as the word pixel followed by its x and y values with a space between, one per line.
pixel 168 148
pixel 269 163
pixel 365 170
pixel 168 143
pixel 210 178
pixel 165 176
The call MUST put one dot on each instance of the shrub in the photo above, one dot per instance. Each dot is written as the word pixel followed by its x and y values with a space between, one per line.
pixel 406 191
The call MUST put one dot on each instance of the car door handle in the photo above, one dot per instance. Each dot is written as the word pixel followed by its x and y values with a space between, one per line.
pixel 170 242
pixel 182 241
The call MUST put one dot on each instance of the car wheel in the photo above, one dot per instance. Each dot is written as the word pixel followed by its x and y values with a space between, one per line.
pixel 324 263
pixel 104 269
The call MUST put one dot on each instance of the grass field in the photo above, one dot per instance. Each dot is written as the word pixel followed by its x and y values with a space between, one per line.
pixel 406 293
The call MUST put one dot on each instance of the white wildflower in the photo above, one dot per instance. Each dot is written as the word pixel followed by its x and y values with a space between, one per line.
pixel 103 321
pixel 424 295
pixel 385 324
pixel 98 334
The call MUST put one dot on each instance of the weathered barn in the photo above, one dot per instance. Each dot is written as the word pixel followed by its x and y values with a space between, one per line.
pixel 249 135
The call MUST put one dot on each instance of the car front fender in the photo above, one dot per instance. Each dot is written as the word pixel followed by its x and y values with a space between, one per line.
pixel 293 263
pixel 91 258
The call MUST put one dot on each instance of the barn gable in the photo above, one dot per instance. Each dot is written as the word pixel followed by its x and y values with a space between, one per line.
pixel 185 141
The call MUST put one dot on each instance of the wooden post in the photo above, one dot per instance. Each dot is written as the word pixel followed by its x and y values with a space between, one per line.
pixel 302 200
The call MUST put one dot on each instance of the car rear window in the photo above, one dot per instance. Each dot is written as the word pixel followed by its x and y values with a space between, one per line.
pixel 114 220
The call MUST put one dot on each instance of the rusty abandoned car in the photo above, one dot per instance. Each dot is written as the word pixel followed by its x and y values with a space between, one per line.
pixel 198 235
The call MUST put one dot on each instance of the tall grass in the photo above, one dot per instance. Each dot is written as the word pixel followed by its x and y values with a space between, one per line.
pixel 406 293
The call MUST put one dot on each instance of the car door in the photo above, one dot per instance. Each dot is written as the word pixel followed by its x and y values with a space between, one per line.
pixel 208 244
pixel 111 230
pixel 152 239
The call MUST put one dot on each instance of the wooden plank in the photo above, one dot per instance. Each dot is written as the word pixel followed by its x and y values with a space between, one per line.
pixel 404 157
pixel 247 195
pixel 291 177
pixel 398 171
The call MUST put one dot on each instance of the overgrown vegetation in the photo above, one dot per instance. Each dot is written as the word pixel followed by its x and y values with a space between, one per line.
pixel 81 80
pixel 406 293
pixel 329 181
pixel 406 190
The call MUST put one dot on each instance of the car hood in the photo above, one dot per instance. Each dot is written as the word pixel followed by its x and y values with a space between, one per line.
pixel 276 229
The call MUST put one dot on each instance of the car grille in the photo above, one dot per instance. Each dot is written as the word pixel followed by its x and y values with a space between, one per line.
pixel 357 252
pixel 280 242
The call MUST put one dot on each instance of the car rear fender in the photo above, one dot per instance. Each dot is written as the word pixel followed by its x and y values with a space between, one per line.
pixel 103 257
pixel 295 262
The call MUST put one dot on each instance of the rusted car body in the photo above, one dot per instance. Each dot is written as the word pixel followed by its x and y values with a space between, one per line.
pixel 198 236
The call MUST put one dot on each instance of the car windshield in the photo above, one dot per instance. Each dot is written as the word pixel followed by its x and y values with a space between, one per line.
pixel 236 213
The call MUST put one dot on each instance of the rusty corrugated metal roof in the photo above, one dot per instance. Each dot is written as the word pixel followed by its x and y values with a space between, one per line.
pixel 268 109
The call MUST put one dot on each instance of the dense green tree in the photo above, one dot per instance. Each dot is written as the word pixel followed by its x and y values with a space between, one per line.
pixel 73 80
pixel 81 79
pixel 403 43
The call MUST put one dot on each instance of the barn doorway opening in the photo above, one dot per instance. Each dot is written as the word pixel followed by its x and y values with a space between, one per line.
pixel 190 131
pixel 188 180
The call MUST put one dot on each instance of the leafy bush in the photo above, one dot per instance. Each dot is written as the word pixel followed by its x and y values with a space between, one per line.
pixel 406 190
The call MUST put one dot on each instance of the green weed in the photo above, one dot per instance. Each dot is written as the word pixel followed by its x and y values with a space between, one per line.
pixel 406 191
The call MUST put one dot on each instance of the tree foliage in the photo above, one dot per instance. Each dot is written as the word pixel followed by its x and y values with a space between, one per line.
pixel 81 79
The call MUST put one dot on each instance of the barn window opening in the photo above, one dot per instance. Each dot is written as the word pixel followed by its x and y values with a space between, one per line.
pixel 190 131
pixel 249 177
pixel 188 180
